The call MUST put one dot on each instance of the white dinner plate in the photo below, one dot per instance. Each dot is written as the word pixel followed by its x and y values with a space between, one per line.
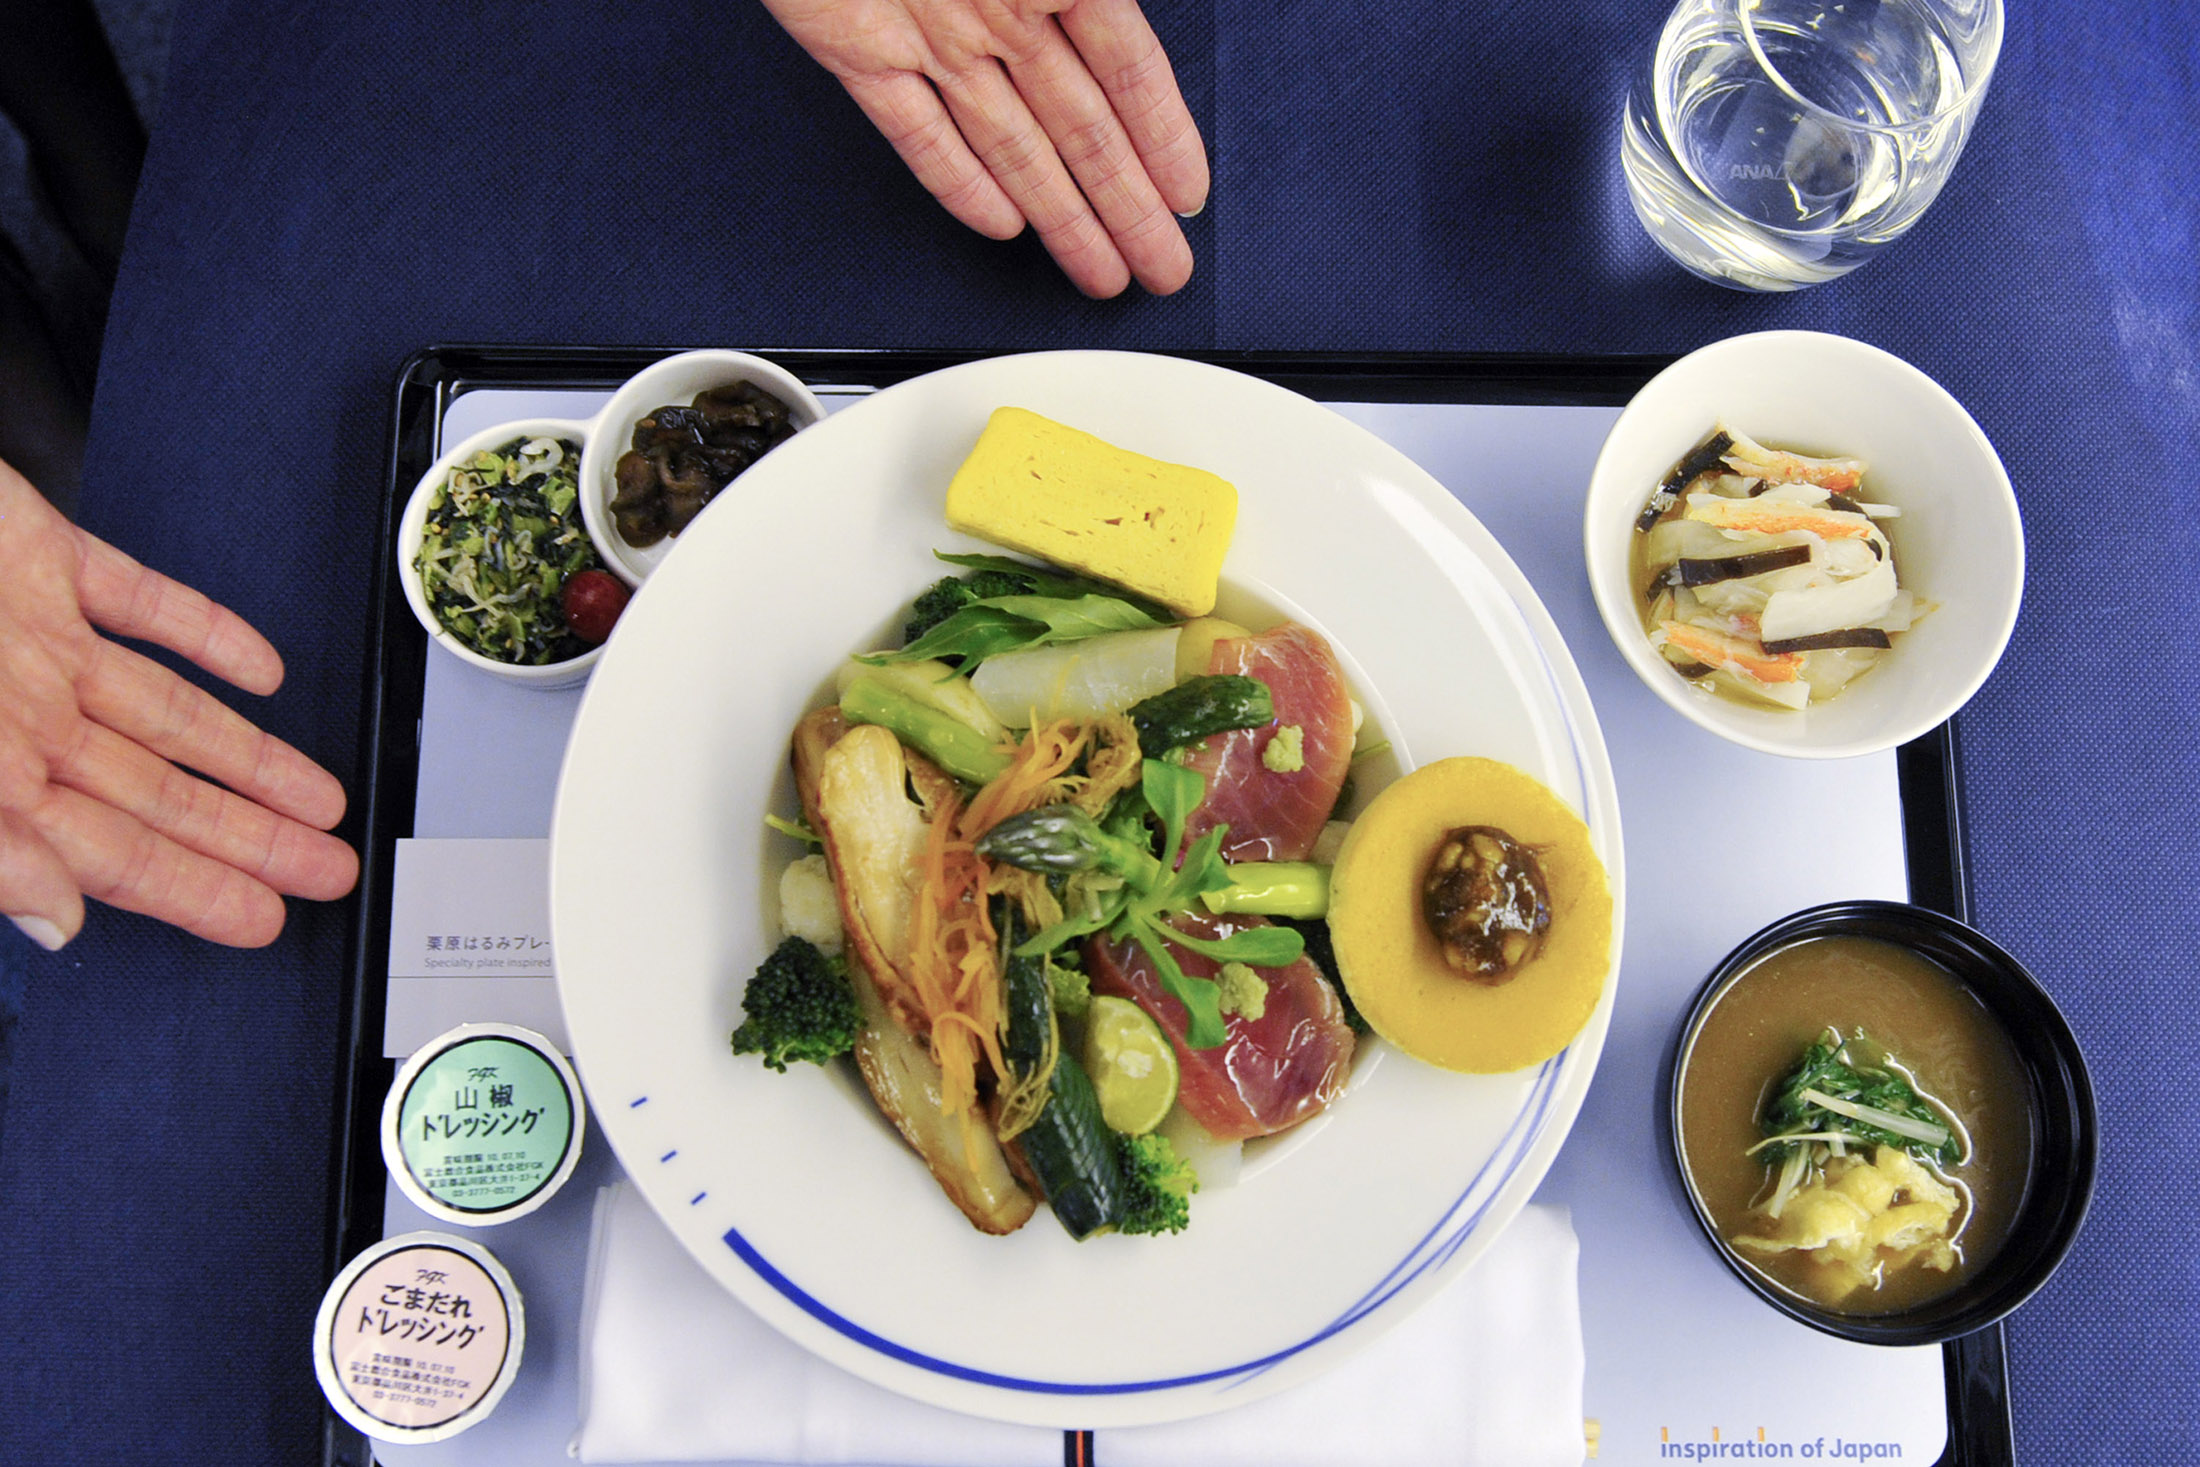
pixel 791 1189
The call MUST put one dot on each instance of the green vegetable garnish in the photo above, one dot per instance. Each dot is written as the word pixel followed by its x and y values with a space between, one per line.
pixel 1071 989
pixel 955 746
pixel 1273 889
pixel 998 575
pixel 1850 1092
pixel 1063 840
pixel 502 537
pixel 1208 704
pixel 799 829
pixel 998 624
pixel 1004 604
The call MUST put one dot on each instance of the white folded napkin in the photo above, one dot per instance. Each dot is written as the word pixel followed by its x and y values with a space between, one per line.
pixel 673 1369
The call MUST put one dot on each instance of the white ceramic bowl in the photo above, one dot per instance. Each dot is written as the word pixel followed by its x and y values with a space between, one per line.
pixel 409 528
pixel 676 380
pixel 1959 543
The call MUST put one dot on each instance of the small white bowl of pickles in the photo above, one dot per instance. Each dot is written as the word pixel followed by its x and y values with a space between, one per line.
pixel 672 438
pixel 1804 544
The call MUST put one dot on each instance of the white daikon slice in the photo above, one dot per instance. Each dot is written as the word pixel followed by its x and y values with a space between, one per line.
pixel 1217 1163
pixel 1081 679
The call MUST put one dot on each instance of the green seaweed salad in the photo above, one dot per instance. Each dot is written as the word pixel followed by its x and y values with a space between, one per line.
pixel 503 535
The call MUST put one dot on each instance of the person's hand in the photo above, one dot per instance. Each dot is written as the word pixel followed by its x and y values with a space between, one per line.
pixel 1060 113
pixel 92 801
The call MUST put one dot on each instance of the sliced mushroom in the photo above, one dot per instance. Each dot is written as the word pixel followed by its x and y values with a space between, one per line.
pixel 854 785
pixel 961 1152
pixel 874 841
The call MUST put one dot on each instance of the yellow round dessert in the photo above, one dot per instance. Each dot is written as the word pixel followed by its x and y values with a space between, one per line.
pixel 1393 963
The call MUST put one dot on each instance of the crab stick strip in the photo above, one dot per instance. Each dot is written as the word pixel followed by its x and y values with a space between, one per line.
pixel 1776 516
pixel 1734 654
pixel 1749 457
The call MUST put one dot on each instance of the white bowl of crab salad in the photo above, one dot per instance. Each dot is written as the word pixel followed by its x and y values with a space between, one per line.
pixel 1804 545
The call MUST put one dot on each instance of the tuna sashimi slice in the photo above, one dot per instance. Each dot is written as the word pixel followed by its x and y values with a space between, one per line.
pixel 1276 815
pixel 1269 1073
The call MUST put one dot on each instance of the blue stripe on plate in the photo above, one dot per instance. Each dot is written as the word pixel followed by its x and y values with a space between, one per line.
pixel 1433 1249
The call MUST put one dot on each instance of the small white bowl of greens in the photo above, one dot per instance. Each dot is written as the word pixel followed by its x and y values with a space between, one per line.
pixel 496 561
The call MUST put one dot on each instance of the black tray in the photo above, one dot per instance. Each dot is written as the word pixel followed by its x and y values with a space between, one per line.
pixel 389 762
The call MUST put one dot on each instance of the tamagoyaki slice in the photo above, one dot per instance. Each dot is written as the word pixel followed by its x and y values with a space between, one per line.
pixel 1050 490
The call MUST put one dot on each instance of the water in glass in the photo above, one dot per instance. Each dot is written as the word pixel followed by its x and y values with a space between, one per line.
pixel 1771 144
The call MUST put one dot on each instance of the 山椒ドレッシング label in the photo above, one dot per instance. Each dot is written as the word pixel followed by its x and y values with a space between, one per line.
pixel 483 1124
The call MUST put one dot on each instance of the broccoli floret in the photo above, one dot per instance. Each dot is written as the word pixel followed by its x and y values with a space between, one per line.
pixel 1157 1185
pixel 952 593
pixel 1071 989
pixel 798 1007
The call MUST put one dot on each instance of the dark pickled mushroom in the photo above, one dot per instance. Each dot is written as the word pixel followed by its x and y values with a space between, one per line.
pixel 745 405
pixel 637 503
pixel 1871 637
pixel 683 456
pixel 1485 903
pixel 687 479
pixel 1698 461
pixel 1705 571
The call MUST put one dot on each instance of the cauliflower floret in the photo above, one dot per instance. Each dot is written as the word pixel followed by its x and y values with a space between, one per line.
pixel 808 906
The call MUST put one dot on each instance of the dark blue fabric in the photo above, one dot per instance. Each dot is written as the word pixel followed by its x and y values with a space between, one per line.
pixel 333 187
pixel 14 964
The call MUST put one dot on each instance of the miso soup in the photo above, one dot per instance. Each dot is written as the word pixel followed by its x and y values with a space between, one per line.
pixel 1924 1019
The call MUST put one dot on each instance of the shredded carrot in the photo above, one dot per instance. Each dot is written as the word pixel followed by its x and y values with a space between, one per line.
pixel 1113 765
pixel 954 956
pixel 1042 758
pixel 953 963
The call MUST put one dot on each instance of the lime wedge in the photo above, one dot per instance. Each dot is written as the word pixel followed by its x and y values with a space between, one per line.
pixel 1132 1065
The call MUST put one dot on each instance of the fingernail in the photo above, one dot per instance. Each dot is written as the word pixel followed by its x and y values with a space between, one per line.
pixel 40 931
pixel 1193 213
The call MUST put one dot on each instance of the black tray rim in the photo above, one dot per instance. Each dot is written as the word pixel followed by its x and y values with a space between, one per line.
pixel 1929 768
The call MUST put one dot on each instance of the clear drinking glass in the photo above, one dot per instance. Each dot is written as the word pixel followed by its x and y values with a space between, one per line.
pixel 1774 144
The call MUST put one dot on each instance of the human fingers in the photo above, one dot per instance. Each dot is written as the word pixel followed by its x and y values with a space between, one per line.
pixel 1081 123
pixel 114 857
pixel 1126 59
pixel 129 600
pixel 36 891
pixel 1017 151
pixel 910 115
pixel 22 767
pixel 149 705
pixel 273 850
